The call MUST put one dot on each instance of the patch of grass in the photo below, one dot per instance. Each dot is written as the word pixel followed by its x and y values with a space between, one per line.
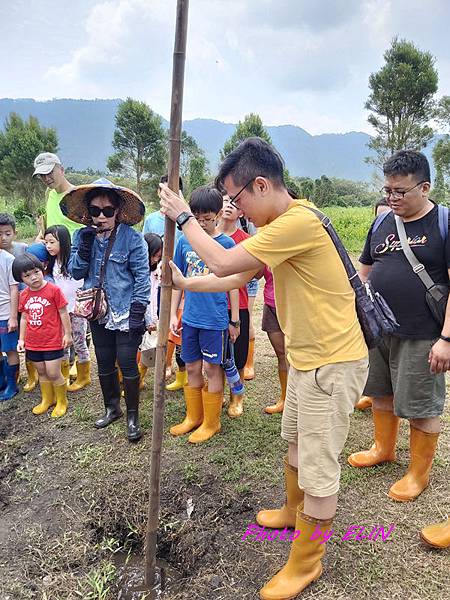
pixel 89 455
pixel 97 584
pixel 82 413
pixel 352 224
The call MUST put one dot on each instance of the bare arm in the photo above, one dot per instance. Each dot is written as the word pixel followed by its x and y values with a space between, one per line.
pixel 364 272
pixel 14 300
pixel 23 326
pixel 174 304
pixel 65 320
pixel 439 356
pixel 220 261
pixel 210 283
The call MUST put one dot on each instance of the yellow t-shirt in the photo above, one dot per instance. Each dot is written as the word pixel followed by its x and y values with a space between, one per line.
pixel 314 299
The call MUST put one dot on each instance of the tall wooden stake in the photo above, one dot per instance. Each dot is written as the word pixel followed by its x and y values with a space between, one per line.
pixel 159 389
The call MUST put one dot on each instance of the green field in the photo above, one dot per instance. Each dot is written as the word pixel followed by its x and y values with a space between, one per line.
pixel 352 224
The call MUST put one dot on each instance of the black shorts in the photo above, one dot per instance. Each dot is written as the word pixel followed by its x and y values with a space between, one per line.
pixel 43 355
pixel 241 344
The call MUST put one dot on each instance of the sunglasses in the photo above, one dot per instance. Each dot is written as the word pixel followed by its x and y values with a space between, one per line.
pixel 96 211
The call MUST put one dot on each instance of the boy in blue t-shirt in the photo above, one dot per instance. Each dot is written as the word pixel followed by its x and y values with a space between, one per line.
pixel 206 325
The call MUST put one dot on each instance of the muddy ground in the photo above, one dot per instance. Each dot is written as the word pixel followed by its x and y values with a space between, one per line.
pixel 73 505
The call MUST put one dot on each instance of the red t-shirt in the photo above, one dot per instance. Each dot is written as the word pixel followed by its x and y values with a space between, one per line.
pixel 44 329
pixel 237 237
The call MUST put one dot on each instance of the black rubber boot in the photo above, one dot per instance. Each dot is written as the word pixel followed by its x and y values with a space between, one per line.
pixel 111 397
pixel 131 388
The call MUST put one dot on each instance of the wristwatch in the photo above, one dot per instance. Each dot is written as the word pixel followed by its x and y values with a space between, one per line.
pixel 235 323
pixel 183 218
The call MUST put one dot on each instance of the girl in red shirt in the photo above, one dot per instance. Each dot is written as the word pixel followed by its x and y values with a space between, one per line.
pixel 44 331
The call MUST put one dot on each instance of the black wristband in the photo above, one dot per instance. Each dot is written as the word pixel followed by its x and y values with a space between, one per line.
pixel 443 337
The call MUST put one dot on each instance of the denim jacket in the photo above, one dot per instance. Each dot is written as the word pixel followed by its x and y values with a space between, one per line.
pixel 127 276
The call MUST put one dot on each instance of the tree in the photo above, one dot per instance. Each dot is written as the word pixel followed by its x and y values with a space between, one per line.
pixel 251 126
pixel 324 193
pixel 198 173
pixel 402 101
pixel 140 142
pixel 189 150
pixel 441 154
pixel 20 143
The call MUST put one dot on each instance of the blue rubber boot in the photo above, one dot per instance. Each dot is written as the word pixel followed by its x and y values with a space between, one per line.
pixel 3 363
pixel 11 383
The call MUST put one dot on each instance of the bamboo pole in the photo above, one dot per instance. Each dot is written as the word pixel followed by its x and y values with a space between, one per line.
pixel 159 389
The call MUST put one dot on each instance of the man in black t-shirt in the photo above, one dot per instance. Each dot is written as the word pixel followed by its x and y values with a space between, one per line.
pixel 406 375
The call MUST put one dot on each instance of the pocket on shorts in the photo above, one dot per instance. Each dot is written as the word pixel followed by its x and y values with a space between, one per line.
pixel 325 378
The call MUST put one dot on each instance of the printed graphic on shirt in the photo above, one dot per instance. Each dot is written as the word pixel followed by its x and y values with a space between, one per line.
pixel 35 307
pixel 195 266
pixel 391 244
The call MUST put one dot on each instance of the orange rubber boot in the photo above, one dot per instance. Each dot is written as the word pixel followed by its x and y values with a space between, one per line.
pixel 383 450
pixel 194 411
pixel 364 403
pixel 279 406
pixel 304 564
pixel 286 515
pixel 249 369
pixel 422 450
pixel 438 535
pixel 212 409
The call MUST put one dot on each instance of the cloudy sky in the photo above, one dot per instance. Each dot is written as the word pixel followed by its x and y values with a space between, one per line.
pixel 302 62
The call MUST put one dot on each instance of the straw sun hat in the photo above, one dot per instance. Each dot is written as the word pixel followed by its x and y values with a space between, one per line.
pixel 74 207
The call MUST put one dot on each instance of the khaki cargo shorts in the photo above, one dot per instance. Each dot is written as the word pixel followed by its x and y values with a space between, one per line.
pixel 316 416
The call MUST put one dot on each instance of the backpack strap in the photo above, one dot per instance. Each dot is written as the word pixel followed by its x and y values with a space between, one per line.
pixel 443 221
pixel 379 219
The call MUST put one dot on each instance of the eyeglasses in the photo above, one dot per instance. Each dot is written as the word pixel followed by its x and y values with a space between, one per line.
pixel 205 220
pixel 388 193
pixel 96 211
pixel 232 199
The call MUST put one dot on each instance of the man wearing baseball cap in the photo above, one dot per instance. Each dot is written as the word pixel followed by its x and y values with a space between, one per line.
pixel 49 169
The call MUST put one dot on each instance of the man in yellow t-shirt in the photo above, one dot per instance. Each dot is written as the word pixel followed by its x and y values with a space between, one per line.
pixel 49 169
pixel 324 342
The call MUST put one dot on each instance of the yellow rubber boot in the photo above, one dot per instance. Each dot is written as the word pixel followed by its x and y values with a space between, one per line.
pixel 47 398
pixel 383 450
pixel 194 411
pixel 179 383
pixel 212 409
pixel 287 514
pixel 364 403
pixel 83 377
pixel 279 406
pixel 32 379
pixel 61 400
pixel 249 369
pixel 304 564
pixel 142 374
pixel 438 535
pixel 422 450
pixel 65 370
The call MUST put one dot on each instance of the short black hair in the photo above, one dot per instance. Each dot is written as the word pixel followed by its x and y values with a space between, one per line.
pixel 7 219
pixel 112 196
pixel 408 162
pixel 381 202
pixel 206 199
pixel 24 263
pixel 165 179
pixel 252 158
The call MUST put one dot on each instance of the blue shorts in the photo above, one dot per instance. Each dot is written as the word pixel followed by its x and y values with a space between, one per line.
pixel 203 344
pixel 8 341
pixel 252 287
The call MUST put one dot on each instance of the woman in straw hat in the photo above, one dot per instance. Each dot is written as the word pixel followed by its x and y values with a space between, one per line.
pixel 108 213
